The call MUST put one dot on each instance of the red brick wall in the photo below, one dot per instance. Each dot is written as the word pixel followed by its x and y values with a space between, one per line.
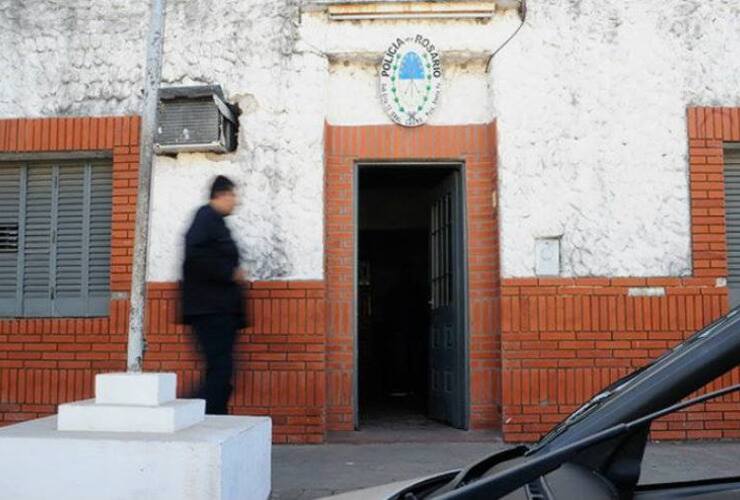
pixel 279 359
pixel 564 339
pixel 120 136
pixel 475 146
pixel 44 362
pixel 708 129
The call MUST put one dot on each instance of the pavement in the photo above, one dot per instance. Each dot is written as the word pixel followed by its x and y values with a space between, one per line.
pixel 361 460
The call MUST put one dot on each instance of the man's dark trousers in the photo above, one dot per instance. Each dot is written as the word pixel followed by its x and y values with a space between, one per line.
pixel 216 334
pixel 213 301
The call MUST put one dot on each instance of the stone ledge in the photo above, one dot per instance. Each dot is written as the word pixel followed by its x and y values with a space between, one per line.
pixel 222 458
pixel 148 389
pixel 168 417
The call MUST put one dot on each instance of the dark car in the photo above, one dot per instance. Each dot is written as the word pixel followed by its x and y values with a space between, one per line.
pixel 596 453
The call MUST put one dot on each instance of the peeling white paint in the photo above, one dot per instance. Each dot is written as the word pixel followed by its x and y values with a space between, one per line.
pixel 655 291
pixel 590 99
pixel 86 58
pixel 353 88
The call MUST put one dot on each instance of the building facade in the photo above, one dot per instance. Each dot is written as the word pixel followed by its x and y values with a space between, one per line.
pixel 564 214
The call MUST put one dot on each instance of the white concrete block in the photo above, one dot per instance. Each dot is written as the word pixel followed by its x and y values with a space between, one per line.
pixel 169 417
pixel 135 388
pixel 222 458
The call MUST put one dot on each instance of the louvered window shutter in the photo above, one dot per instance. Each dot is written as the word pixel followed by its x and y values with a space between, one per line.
pixel 83 240
pixel 70 245
pixel 38 235
pixel 99 242
pixel 732 222
pixel 10 224
pixel 55 239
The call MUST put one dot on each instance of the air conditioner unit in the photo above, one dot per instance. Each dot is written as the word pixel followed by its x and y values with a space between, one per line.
pixel 196 118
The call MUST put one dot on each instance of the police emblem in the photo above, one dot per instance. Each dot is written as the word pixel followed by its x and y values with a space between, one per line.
pixel 410 80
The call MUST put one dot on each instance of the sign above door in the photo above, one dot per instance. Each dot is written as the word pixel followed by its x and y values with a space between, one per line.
pixel 410 80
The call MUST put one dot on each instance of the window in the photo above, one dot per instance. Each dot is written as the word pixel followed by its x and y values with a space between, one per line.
pixel 732 220
pixel 55 222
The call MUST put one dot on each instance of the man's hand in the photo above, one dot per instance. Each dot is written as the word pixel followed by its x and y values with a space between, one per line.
pixel 239 276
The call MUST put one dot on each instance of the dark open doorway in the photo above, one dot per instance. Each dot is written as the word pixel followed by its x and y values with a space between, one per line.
pixel 410 305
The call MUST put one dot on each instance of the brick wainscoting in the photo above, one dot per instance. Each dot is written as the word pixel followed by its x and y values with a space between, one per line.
pixel 564 339
pixel 50 360
pixel 280 361
pixel 709 129
pixel 47 361
pixel 117 135
pixel 475 147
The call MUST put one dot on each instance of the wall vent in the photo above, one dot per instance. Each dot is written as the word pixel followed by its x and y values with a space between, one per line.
pixel 8 238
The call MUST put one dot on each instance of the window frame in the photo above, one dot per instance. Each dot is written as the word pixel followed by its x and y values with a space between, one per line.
pixel 99 307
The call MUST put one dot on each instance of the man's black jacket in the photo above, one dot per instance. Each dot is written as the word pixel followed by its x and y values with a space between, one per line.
pixel 211 258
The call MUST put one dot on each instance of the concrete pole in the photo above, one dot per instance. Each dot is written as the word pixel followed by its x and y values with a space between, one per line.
pixel 155 41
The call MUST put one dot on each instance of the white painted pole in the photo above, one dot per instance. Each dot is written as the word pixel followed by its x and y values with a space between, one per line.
pixel 152 80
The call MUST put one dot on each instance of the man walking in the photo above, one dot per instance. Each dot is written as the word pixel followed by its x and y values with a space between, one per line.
pixel 212 296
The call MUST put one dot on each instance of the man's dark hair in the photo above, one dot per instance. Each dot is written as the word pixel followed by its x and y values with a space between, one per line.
pixel 221 184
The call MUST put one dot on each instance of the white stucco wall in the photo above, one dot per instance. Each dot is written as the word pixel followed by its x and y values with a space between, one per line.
pixel 590 99
pixel 85 57
pixel 80 57
pixel 249 48
pixel 591 102
pixel 354 90
pixel 354 50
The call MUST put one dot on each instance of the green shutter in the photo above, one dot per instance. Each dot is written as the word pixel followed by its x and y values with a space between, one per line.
pixel 55 223
pixel 732 221
pixel 83 214
pixel 99 239
pixel 39 212
pixel 10 225
pixel 70 243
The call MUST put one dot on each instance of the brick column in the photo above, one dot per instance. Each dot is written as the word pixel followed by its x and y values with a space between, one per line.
pixel 474 146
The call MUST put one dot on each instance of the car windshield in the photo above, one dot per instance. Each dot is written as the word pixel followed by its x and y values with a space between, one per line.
pixel 630 380
pixel 501 483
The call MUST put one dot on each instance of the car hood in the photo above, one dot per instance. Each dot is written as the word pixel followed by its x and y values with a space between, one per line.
pixel 377 492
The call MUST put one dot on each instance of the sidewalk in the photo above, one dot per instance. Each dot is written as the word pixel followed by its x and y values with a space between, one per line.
pixel 308 472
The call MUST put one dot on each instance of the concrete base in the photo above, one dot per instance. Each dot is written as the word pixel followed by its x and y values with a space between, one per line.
pixel 167 417
pixel 144 388
pixel 223 457
pixel 132 402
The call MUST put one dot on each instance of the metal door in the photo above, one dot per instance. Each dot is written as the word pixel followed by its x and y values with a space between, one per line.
pixel 446 350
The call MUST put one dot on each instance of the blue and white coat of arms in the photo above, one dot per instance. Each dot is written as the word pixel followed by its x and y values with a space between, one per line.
pixel 410 80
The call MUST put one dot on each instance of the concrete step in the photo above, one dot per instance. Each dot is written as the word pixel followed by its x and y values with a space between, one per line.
pixel 89 415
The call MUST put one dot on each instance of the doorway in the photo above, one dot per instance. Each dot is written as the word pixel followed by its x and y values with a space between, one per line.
pixel 411 342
